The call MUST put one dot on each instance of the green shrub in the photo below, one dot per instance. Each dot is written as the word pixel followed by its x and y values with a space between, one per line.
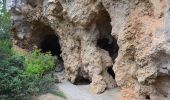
pixel 38 63
pixel 5 47
pixel 34 85
pixel 16 85
pixel 11 76
pixel 5 25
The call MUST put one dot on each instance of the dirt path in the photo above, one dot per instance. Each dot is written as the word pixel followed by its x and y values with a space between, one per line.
pixel 81 92
pixel 49 96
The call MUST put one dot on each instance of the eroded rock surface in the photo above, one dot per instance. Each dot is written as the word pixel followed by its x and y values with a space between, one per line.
pixel 87 28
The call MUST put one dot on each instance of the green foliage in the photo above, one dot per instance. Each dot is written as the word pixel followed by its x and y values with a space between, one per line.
pixel 5 42
pixel 11 77
pixel 38 63
pixel 5 47
pixel 16 85
pixel 5 23
pixel 38 85
pixel 19 83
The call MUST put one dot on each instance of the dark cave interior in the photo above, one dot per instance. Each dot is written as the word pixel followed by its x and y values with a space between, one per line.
pixel 111 72
pixel 50 43
pixel 82 81
pixel 106 41
pixel 112 47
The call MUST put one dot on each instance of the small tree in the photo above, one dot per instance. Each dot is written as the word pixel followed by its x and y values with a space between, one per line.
pixel 5 25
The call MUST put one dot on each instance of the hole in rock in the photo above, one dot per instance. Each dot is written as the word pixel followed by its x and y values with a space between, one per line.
pixel 33 3
pixel 45 39
pixel 147 97
pixel 106 40
pixel 112 47
pixel 111 72
pixel 50 43
pixel 82 81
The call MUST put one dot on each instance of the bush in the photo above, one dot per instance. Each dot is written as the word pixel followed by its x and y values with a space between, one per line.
pixel 5 24
pixel 5 47
pixel 15 85
pixel 38 63
pixel 11 77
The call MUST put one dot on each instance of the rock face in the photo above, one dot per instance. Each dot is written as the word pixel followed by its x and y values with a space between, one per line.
pixel 132 36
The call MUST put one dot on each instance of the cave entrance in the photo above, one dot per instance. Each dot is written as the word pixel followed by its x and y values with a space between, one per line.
pixel 82 81
pixel 111 47
pixel 111 72
pixel 50 43
pixel 106 41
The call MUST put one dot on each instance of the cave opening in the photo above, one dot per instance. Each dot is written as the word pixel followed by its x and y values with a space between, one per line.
pixel 50 43
pixel 111 72
pixel 147 97
pixel 33 3
pixel 106 41
pixel 82 81
pixel 112 47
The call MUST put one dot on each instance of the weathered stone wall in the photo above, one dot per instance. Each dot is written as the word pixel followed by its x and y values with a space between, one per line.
pixel 141 28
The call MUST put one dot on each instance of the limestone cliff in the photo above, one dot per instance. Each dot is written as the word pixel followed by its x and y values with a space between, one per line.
pixel 132 37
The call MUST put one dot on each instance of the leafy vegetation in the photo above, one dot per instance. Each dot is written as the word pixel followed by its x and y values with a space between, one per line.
pixel 38 63
pixel 5 47
pixel 17 85
pixel 11 76
pixel 5 42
